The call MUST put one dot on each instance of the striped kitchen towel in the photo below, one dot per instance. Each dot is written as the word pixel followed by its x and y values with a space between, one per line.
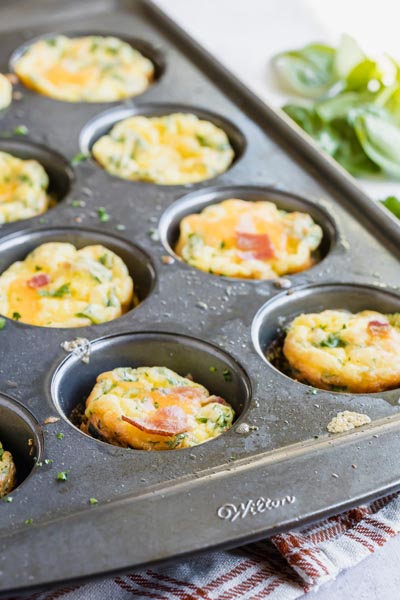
pixel 283 568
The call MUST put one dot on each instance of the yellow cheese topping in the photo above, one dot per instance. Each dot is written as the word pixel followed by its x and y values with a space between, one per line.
pixel 170 150
pixel 23 189
pixel 340 351
pixel 8 474
pixel 154 408
pixel 59 286
pixel 84 69
pixel 5 92
pixel 253 240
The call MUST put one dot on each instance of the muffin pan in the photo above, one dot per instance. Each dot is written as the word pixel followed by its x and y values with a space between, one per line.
pixel 154 506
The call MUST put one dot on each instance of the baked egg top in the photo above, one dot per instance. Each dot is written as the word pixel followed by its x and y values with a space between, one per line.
pixel 154 408
pixel 173 149
pixel 84 69
pixel 59 286
pixel 252 240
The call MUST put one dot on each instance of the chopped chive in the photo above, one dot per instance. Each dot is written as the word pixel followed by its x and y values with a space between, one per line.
pixel 93 501
pixel 62 476
pixel 21 130
pixel 78 158
pixel 227 375
pixel 2 323
pixel 28 521
pixel 59 436
pixel 16 316
pixel 212 369
pixel 103 214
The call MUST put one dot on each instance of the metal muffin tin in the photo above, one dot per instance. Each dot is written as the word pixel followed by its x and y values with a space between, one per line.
pixel 277 467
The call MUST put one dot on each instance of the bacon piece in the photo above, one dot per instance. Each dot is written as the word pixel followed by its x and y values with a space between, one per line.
pixel 378 328
pixel 216 399
pixel 255 245
pixel 38 281
pixel 166 421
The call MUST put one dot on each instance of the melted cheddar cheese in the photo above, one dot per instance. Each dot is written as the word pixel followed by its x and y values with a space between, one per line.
pixel 340 351
pixel 59 286
pixel 5 92
pixel 170 150
pixel 252 240
pixel 153 408
pixel 23 189
pixel 84 69
pixel 8 473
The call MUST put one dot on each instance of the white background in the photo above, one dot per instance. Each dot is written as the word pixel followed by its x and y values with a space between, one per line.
pixel 244 34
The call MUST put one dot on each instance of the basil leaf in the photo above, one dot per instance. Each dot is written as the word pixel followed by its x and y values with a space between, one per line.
pixel 348 55
pixel 380 140
pixel 393 204
pixel 308 71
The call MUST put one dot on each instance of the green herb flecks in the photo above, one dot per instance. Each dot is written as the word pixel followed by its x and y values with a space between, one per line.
pixel 103 214
pixel 333 341
pixel 63 290
pixel 79 158
pixel 2 323
pixel 16 316
pixel 62 476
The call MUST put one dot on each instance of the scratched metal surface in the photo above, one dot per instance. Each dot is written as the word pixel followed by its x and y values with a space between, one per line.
pixel 237 487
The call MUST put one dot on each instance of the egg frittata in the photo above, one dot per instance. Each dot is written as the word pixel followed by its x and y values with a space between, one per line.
pixel 84 69
pixel 23 189
pixel 59 286
pixel 8 473
pixel 340 351
pixel 174 149
pixel 252 240
pixel 5 92
pixel 153 408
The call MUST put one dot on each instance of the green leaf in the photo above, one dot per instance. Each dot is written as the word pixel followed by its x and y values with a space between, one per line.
pixel 362 76
pixel 393 204
pixel 380 140
pixel 348 55
pixel 307 71
pixel 349 152
pixel 340 105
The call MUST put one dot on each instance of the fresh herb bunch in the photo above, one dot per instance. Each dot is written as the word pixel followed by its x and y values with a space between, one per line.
pixel 350 104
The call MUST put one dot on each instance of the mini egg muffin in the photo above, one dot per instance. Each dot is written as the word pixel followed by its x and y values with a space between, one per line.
pixel 174 149
pixel 8 473
pixel 23 189
pixel 153 408
pixel 252 240
pixel 84 69
pixel 5 92
pixel 59 286
pixel 341 351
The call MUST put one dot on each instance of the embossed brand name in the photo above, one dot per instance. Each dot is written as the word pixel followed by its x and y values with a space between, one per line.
pixel 231 512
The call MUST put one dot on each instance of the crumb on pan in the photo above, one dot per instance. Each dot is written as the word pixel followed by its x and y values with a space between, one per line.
pixel 347 420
